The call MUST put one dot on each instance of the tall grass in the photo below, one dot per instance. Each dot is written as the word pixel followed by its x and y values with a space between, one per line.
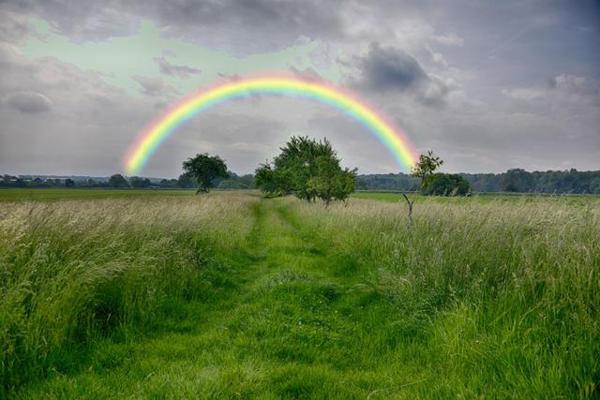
pixel 71 271
pixel 504 294
pixel 490 298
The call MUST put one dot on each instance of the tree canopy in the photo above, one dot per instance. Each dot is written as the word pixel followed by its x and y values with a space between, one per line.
pixel 309 169
pixel 204 169
pixel 435 183
pixel 118 181
pixel 426 166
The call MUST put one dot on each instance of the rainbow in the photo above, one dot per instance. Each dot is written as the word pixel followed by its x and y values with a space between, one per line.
pixel 150 139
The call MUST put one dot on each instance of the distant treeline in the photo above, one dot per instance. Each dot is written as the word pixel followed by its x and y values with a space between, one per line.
pixel 234 181
pixel 513 180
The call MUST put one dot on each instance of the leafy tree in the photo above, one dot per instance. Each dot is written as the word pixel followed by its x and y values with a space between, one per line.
pixel 446 185
pixel 426 166
pixel 516 180
pixel 595 185
pixel 138 182
pixel 309 169
pixel 69 182
pixel 433 183
pixel 330 182
pixel 205 170
pixel 186 181
pixel 168 183
pixel 267 180
pixel 118 181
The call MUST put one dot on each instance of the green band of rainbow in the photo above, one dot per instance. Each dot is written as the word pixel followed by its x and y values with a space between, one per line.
pixel 151 138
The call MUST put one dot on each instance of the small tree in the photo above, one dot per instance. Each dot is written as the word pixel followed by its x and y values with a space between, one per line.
pixel 447 185
pixel 205 170
pixel 266 180
pixel 426 166
pixel 118 181
pixel 435 183
pixel 69 183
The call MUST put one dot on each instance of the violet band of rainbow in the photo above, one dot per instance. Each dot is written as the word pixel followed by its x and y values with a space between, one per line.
pixel 151 138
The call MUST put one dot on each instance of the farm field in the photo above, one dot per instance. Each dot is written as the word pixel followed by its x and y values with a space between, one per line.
pixel 162 294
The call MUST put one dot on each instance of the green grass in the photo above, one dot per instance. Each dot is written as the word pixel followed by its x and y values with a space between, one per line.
pixel 234 296
pixel 76 193
pixel 573 199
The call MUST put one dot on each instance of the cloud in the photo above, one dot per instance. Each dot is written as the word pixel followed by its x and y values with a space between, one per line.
pixel 80 20
pixel 387 69
pixel 450 39
pixel 306 73
pixel 246 26
pixel 568 90
pixel 14 26
pixel 178 71
pixel 29 102
pixel 392 70
pixel 152 86
pixel 568 82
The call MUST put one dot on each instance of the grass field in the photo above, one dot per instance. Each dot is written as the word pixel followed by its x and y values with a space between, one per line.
pixel 230 295
pixel 64 194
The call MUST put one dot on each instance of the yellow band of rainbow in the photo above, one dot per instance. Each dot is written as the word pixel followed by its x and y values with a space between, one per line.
pixel 151 138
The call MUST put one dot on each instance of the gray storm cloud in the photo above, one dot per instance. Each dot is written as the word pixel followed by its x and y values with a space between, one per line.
pixel 28 102
pixel 388 69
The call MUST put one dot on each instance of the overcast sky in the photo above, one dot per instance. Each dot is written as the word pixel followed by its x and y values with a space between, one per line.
pixel 486 85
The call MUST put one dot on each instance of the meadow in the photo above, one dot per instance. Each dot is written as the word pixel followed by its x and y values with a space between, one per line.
pixel 231 295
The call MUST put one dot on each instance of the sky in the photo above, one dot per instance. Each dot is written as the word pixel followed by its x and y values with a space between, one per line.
pixel 486 85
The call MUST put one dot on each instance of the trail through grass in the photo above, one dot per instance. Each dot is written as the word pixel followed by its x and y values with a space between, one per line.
pixel 287 322
pixel 296 301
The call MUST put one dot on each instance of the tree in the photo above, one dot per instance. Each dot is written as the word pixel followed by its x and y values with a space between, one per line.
pixel 426 166
pixel 516 180
pixel 118 181
pixel 447 185
pixel 186 181
pixel 168 183
pixel 205 170
pixel 433 183
pixel 267 181
pixel 69 182
pixel 138 182
pixel 309 169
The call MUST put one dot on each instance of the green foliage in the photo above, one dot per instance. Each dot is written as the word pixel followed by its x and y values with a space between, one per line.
pixel 205 170
pixel 138 182
pixel 445 185
pixel 309 169
pixel 437 183
pixel 516 180
pixel 427 165
pixel 118 181
pixel 569 181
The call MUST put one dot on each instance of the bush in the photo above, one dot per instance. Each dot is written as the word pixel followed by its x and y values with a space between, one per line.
pixel 446 185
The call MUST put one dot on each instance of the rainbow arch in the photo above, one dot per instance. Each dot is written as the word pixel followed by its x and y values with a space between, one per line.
pixel 150 139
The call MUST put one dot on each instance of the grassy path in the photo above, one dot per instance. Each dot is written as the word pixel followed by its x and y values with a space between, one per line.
pixel 287 317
